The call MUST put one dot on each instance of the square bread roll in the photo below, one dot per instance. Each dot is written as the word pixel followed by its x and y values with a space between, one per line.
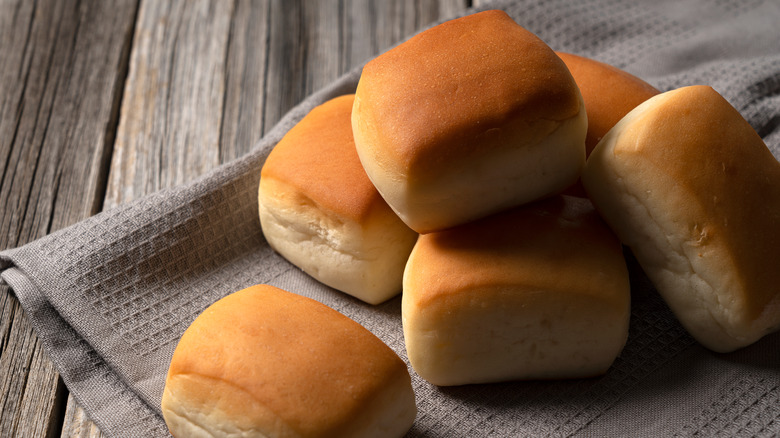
pixel 320 211
pixel 468 118
pixel 537 292
pixel 692 189
pixel 267 363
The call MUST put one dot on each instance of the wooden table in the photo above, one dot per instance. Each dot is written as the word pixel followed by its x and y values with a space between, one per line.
pixel 102 102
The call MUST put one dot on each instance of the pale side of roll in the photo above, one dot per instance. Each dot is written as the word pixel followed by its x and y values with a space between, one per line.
pixel 692 189
pixel 537 292
pixel 320 211
pixel 468 118
pixel 263 362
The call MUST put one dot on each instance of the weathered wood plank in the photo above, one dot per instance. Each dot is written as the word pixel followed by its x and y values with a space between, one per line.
pixel 245 79
pixel 32 391
pixel 172 107
pixel 61 71
pixel 200 72
pixel 76 424
pixel 171 113
pixel 377 26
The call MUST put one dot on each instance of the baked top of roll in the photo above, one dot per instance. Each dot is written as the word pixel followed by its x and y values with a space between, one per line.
pixel 318 158
pixel 560 244
pixel 456 83
pixel 609 93
pixel 266 362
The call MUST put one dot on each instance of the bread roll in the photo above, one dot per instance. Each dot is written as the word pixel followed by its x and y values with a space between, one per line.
pixel 468 118
pixel 608 92
pixel 693 190
pixel 320 211
pixel 263 362
pixel 537 292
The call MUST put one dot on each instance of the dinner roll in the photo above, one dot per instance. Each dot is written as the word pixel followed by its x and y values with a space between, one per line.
pixel 536 292
pixel 608 92
pixel 263 362
pixel 468 118
pixel 320 211
pixel 686 182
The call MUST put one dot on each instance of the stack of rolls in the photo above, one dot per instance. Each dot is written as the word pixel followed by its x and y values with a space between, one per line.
pixel 470 143
pixel 447 177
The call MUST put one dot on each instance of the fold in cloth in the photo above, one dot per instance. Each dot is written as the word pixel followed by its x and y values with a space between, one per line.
pixel 110 296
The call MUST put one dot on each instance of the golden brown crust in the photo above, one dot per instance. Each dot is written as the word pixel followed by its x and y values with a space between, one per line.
pixel 609 93
pixel 726 181
pixel 431 99
pixel 687 183
pixel 523 247
pixel 312 368
pixel 536 292
pixel 317 157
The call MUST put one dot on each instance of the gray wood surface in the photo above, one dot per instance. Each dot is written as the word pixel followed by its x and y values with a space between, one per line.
pixel 61 72
pixel 104 102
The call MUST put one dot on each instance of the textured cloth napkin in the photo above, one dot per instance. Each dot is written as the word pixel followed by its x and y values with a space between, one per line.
pixel 111 296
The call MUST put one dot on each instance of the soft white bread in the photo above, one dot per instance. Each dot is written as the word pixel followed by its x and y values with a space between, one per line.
pixel 320 211
pixel 692 189
pixel 473 116
pixel 537 292
pixel 263 362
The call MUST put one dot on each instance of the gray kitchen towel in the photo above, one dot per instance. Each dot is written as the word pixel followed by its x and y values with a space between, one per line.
pixel 110 296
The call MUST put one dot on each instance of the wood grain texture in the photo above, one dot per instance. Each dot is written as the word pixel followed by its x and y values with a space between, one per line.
pixel 205 80
pixel 172 106
pixel 171 113
pixel 242 113
pixel 61 73
pixel 77 424
pixel 31 390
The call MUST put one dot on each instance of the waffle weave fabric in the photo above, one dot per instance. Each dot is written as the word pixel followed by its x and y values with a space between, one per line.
pixel 110 296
